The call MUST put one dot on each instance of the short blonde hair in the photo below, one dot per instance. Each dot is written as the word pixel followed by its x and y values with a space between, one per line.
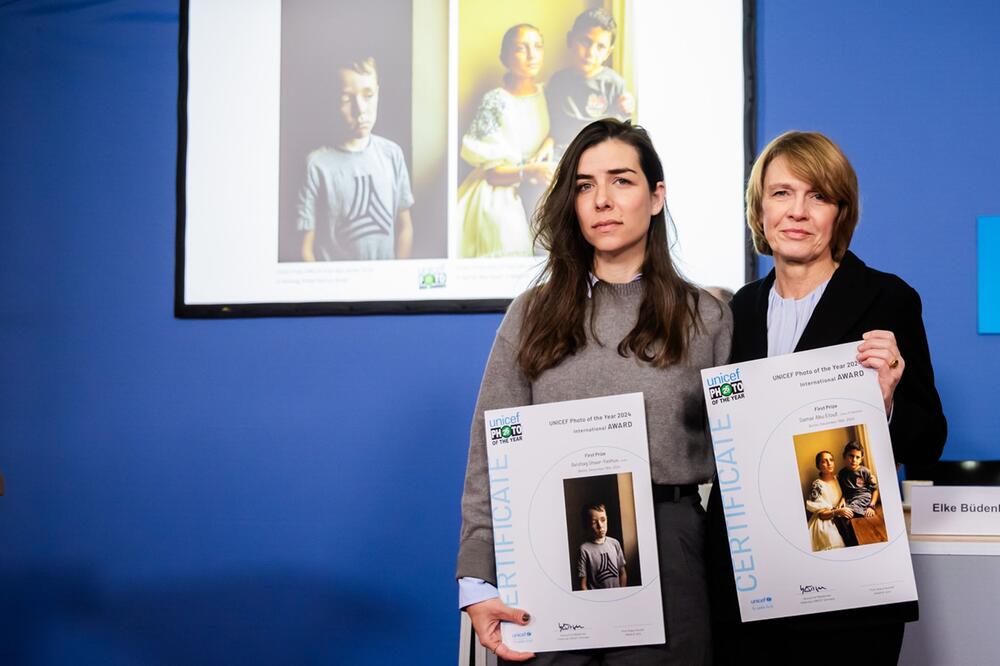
pixel 817 160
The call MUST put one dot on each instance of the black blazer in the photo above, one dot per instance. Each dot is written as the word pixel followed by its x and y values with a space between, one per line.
pixel 860 299
pixel 857 299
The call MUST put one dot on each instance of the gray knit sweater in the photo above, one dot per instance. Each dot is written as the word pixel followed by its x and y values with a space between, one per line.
pixel 679 445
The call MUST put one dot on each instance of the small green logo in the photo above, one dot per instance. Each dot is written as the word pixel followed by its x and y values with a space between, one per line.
pixel 432 279
pixel 726 390
pixel 506 431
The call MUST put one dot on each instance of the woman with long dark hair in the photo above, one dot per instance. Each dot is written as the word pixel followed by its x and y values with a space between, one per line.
pixel 609 315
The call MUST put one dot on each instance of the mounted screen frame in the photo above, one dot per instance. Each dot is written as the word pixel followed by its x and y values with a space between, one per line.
pixel 235 195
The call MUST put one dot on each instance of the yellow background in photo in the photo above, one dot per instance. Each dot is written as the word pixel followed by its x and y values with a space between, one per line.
pixel 834 440
pixel 482 23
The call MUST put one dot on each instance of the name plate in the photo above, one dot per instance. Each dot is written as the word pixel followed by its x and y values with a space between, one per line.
pixel 955 510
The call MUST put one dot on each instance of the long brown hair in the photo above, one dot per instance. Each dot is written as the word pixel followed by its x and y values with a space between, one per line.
pixel 554 321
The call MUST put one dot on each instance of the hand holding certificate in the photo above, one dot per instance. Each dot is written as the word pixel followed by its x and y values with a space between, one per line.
pixel 573 523
pixel 487 618
pixel 800 441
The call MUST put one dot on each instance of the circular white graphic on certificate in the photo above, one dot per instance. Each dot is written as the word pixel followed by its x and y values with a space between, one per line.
pixel 818 480
pixel 583 525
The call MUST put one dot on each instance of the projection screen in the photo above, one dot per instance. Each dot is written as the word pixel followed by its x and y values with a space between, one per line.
pixel 388 156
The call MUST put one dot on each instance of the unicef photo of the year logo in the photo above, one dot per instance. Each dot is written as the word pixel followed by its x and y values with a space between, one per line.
pixel 505 429
pixel 840 490
pixel 725 387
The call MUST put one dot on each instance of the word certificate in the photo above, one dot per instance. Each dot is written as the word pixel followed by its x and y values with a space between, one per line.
pixel 573 523
pixel 808 484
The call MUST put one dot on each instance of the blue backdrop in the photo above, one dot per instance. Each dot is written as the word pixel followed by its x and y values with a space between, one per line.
pixel 286 490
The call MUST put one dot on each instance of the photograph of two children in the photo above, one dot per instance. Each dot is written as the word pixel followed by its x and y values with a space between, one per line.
pixel 840 493
pixel 389 150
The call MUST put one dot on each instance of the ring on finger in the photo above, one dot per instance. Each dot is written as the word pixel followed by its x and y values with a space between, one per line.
pixel 894 364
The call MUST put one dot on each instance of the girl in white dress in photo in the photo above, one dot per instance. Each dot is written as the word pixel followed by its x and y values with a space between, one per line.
pixel 825 503
pixel 509 145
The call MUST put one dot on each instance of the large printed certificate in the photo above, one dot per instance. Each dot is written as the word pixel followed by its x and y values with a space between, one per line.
pixel 776 424
pixel 573 523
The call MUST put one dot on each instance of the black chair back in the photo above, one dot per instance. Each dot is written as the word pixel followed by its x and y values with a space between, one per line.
pixel 957 472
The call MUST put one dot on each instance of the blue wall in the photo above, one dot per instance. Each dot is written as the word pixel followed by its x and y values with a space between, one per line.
pixel 286 490
pixel 911 92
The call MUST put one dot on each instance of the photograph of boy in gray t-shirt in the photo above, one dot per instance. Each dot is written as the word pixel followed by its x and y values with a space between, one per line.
pixel 601 563
pixel 355 203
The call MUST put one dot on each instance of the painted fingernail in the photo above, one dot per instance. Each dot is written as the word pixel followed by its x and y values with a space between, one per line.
pixel 525 618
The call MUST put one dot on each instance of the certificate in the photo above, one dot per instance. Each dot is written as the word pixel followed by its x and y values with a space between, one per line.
pixel 808 484
pixel 573 523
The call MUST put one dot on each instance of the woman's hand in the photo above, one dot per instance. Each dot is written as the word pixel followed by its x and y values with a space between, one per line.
pixel 879 352
pixel 843 512
pixel 486 617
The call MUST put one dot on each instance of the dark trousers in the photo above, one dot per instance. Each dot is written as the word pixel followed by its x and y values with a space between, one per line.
pixel 875 645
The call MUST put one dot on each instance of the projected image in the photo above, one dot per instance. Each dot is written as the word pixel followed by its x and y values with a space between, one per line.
pixel 531 76
pixel 389 155
pixel 346 145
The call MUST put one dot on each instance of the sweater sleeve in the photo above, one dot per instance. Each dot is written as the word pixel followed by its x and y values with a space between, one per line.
pixel 503 386
pixel 918 427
